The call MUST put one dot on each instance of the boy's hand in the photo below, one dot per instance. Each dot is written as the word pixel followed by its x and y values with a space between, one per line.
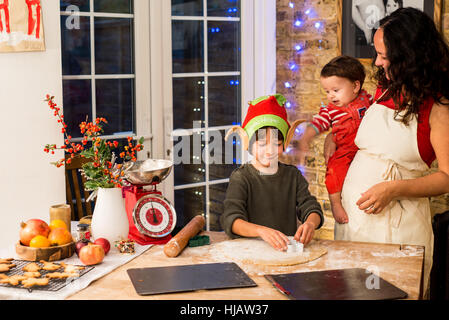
pixel 273 237
pixel 305 232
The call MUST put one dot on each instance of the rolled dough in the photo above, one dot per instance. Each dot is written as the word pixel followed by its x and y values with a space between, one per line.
pixel 257 251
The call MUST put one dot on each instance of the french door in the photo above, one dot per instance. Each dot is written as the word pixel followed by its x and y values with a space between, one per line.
pixel 210 69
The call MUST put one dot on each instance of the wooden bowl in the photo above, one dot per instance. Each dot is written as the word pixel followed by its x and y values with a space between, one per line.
pixel 47 254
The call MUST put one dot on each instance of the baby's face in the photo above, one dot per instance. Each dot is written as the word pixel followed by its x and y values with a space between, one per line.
pixel 340 91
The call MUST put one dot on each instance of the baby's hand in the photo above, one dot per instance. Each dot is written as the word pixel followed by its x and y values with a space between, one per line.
pixel 273 237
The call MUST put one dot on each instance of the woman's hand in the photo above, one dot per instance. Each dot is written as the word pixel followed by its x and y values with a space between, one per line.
pixel 376 198
pixel 329 147
pixel 273 237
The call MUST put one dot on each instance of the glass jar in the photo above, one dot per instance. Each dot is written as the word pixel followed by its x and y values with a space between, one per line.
pixel 83 231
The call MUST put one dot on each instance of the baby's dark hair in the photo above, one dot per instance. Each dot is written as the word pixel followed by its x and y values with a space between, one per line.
pixel 345 67
pixel 261 134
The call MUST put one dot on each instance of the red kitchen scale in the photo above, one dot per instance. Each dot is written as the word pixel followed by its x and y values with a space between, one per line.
pixel 151 216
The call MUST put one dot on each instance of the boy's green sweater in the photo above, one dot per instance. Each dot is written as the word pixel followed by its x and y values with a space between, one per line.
pixel 273 201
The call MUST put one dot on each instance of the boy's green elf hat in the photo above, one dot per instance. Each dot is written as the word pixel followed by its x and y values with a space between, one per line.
pixel 266 111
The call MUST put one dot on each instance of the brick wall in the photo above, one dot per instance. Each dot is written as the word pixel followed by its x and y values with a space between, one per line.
pixel 301 53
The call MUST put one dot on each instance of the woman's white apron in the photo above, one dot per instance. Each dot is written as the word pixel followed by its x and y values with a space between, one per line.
pixel 388 151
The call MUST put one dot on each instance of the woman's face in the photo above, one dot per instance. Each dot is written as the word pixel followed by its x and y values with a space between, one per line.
pixel 391 7
pixel 381 59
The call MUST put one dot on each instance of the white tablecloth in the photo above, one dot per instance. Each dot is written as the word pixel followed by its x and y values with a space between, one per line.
pixel 112 260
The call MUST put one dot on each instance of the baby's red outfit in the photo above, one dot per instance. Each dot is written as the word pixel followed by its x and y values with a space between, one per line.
pixel 344 122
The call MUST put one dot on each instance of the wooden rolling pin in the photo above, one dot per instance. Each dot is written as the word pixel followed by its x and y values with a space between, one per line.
pixel 176 244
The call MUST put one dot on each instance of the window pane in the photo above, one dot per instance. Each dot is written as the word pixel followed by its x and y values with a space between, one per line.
pixel 113 6
pixel 217 194
pixel 187 7
pixel 189 203
pixel 223 8
pixel 188 103
pixel 224 101
pixel 75 48
pixel 187 45
pixel 115 102
pixel 77 104
pixel 188 161
pixel 82 5
pixel 224 156
pixel 113 46
pixel 224 46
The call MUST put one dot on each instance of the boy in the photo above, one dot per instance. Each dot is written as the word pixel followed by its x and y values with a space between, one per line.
pixel 342 80
pixel 265 197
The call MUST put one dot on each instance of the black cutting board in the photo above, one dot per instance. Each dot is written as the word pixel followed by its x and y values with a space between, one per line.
pixel 343 284
pixel 148 281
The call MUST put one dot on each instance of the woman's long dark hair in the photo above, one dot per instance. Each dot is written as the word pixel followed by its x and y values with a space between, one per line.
pixel 419 61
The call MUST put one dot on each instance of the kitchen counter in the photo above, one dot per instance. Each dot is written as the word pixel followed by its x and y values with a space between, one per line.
pixel 402 266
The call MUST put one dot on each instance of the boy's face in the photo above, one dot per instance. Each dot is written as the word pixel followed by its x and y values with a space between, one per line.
pixel 268 147
pixel 340 91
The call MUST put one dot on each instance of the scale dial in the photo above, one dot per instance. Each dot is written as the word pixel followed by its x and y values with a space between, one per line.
pixel 154 216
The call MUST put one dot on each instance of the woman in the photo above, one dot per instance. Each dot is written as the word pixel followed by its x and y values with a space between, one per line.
pixel 385 192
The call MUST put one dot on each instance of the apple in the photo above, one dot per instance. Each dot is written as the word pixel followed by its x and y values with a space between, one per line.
pixel 79 244
pixel 32 228
pixel 104 243
pixel 91 254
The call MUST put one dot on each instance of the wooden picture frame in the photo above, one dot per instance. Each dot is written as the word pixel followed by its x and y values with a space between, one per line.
pixel 350 37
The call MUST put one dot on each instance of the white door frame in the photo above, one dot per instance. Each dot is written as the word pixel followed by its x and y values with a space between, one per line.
pixel 258 71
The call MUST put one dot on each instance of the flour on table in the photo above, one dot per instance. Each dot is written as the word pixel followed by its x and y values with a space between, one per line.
pixel 257 251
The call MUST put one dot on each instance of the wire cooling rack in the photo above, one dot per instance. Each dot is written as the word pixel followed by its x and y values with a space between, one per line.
pixel 53 284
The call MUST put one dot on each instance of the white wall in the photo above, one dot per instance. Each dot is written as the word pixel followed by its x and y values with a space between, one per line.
pixel 29 185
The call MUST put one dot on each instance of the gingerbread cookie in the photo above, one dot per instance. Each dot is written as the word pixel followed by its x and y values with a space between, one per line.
pixel 35 274
pixel 4 267
pixel 8 260
pixel 69 268
pixel 31 267
pixel 30 282
pixel 12 280
pixel 49 266
pixel 61 275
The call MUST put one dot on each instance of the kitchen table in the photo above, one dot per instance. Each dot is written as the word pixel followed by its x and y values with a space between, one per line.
pixel 401 265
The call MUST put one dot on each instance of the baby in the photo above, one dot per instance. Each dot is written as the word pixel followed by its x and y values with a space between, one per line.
pixel 342 80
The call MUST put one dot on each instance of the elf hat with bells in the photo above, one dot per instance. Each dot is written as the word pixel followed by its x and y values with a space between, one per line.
pixel 266 111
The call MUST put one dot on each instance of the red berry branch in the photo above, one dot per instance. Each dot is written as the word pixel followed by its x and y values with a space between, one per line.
pixel 101 171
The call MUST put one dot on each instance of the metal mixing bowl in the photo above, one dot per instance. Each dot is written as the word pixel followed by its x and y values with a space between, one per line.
pixel 151 171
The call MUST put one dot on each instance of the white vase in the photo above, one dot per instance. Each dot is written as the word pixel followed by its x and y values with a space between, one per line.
pixel 109 218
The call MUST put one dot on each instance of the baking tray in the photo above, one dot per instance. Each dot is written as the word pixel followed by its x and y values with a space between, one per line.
pixel 150 281
pixel 342 284
pixel 53 284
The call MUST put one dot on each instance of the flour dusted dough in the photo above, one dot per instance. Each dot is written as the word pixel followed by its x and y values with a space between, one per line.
pixel 257 251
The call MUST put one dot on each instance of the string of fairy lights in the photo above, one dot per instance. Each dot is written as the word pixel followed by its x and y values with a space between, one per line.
pixel 300 19
pixel 301 16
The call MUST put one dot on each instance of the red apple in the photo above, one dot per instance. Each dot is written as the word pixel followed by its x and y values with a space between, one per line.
pixel 91 254
pixel 80 244
pixel 32 228
pixel 104 243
